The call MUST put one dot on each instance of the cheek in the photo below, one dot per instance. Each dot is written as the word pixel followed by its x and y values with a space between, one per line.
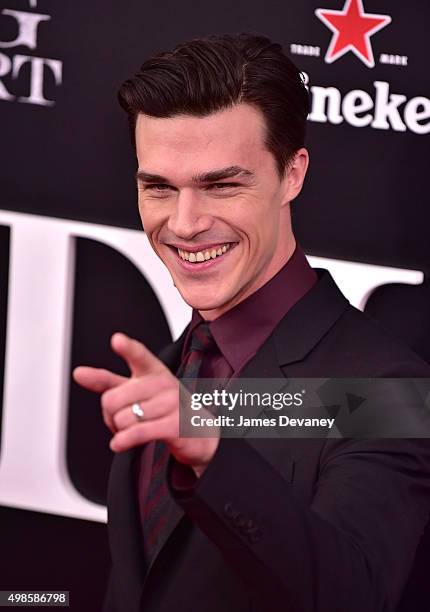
pixel 263 234
pixel 152 217
pixel 258 222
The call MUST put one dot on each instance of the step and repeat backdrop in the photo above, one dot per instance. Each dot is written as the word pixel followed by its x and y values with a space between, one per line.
pixel 74 262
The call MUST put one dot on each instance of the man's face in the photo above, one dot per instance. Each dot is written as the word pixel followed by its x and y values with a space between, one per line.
pixel 212 204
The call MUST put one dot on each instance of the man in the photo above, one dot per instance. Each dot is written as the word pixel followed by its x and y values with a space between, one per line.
pixel 300 525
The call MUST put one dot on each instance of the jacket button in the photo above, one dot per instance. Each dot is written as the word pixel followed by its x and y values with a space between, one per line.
pixel 249 525
pixel 255 536
pixel 229 511
pixel 239 520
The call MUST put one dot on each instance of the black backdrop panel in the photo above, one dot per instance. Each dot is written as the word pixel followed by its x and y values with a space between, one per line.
pixel 404 310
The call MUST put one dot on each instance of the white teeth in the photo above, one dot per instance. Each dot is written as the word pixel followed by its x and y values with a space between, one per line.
pixel 200 256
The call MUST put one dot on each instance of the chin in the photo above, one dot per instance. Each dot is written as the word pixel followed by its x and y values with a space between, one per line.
pixel 199 304
pixel 203 302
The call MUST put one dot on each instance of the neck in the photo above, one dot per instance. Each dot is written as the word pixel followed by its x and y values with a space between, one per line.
pixel 277 262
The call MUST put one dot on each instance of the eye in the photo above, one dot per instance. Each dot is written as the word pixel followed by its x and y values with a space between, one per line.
pixel 220 186
pixel 156 190
pixel 157 187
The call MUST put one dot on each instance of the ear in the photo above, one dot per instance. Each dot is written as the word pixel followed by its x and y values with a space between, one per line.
pixel 295 175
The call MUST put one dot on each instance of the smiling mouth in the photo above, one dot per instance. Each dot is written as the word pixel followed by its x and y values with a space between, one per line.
pixel 205 254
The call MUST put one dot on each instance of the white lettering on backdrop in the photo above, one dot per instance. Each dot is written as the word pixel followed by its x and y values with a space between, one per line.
pixel 27 25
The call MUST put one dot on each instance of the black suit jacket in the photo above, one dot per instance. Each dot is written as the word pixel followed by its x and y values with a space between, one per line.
pixel 291 525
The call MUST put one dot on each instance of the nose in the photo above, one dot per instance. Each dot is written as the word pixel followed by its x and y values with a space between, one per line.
pixel 189 217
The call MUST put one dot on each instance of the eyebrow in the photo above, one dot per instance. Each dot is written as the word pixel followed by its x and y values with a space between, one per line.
pixel 205 177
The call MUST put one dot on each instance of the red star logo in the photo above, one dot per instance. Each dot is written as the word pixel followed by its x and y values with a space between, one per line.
pixel 352 29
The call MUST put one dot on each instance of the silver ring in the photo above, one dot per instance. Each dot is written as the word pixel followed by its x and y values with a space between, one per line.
pixel 137 411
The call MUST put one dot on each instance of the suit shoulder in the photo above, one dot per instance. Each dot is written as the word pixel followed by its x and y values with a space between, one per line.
pixel 365 344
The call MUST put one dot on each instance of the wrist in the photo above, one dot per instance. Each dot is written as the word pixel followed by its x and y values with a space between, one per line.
pixel 212 446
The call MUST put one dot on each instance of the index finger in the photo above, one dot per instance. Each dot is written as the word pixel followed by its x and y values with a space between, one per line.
pixel 97 379
pixel 140 359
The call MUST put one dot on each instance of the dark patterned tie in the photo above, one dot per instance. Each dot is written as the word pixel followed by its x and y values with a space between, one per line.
pixel 158 500
pixel 201 341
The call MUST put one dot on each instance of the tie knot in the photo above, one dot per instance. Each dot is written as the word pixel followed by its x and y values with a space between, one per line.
pixel 201 341
pixel 201 338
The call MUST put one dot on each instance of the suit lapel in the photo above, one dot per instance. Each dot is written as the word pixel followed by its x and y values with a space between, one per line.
pixel 309 320
pixel 171 354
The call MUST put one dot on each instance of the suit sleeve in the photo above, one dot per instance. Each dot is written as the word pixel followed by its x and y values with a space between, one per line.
pixel 351 548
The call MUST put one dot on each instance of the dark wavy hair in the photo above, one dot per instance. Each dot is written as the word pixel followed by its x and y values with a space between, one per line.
pixel 206 75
